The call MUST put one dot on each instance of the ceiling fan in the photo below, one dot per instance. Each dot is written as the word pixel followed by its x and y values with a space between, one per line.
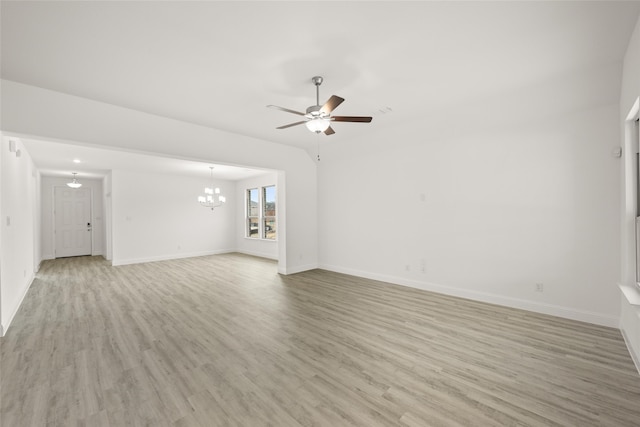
pixel 318 117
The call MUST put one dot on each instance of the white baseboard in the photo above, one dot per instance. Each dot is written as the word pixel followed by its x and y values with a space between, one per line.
pixel 297 269
pixel 49 256
pixel 635 357
pixel 169 257
pixel 4 327
pixel 258 254
pixel 534 306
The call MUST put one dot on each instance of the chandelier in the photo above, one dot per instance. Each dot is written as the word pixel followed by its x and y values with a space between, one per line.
pixel 212 197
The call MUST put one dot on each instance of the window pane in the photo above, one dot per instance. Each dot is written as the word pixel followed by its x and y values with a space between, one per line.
pixel 253 213
pixel 270 228
pixel 252 227
pixel 269 201
pixel 269 212
pixel 253 202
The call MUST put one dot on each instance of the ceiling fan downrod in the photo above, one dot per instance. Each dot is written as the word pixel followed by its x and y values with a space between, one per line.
pixel 317 80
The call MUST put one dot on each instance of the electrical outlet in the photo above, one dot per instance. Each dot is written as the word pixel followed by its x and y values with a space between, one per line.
pixel 407 267
pixel 423 265
pixel 539 287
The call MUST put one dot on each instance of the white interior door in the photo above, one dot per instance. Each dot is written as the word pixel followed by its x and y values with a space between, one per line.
pixel 72 221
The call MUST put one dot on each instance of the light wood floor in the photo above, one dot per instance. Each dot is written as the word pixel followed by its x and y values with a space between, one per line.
pixel 224 340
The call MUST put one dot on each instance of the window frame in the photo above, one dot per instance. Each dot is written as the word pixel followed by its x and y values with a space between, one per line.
pixel 260 232
pixel 263 211
pixel 248 214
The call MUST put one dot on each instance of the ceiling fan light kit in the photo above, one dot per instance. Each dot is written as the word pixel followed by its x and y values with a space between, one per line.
pixel 318 117
pixel 318 124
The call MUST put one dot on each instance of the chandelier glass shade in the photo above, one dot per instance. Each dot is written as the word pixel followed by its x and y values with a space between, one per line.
pixel 318 124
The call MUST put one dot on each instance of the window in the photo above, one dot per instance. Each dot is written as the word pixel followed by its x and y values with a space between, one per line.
pixel 261 213
pixel 269 212
pixel 253 213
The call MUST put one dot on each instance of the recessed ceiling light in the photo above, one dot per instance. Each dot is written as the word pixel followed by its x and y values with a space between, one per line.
pixel 76 160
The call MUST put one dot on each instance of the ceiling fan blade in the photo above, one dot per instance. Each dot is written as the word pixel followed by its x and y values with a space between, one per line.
pixel 291 124
pixel 285 109
pixel 329 131
pixel 357 119
pixel 331 104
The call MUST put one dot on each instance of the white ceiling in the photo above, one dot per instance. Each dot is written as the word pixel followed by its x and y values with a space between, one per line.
pixel 219 64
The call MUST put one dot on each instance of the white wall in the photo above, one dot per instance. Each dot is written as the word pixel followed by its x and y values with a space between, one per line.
pixel 106 206
pixel 52 115
pixel 18 206
pixel 2 232
pixel 37 223
pixel 486 208
pixel 97 214
pixel 257 247
pixel 157 216
pixel 630 295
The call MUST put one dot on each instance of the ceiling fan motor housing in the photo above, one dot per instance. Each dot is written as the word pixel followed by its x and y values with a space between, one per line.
pixel 314 111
